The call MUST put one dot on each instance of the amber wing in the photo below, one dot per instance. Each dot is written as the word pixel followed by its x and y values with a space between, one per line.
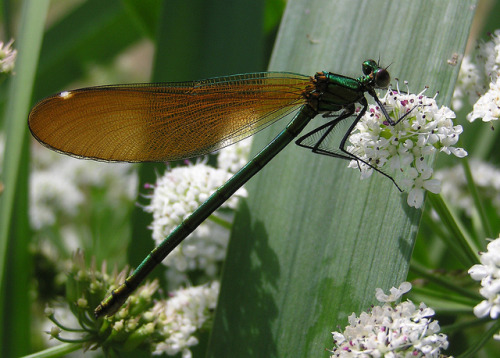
pixel 166 121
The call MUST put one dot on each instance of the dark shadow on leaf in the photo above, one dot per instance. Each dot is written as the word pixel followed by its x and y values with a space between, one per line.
pixel 246 306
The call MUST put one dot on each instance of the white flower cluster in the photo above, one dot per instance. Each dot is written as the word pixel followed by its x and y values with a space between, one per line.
pixel 487 106
pixel 473 80
pixel 455 190
pixel 489 55
pixel 7 57
pixel 176 195
pixel 489 275
pixel 58 185
pixel 179 317
pixel 469 85
pixel 407 146
pixel 234 157
pixel 391 330
pixel 50 195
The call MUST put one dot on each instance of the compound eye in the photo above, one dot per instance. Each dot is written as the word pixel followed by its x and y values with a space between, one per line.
pixel 369 66
pixel 382 78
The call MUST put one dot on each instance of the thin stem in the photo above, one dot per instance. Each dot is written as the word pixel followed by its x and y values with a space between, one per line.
pixel 471 352
pixel 475 197
pixel 444 283
pixel 461 241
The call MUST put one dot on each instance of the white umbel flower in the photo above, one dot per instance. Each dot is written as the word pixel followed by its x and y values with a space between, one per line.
pixel 396 331
pixel 59 184
pixel 175 196
pixel 51 194
pixel 475 75
pixel 488 272
pixel 487 106
pixel 407 146
pixel 181 316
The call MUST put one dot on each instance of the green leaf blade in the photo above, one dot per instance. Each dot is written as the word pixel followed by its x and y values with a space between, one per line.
pixel 312 241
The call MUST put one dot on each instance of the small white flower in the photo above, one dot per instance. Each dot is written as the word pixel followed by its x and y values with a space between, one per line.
pixel 119 179
pixel 234 157
pixel 487 106
pixel 7 57
pixel 179 317
pixel 402 330
pixel 474 78
pixel 488 272
pixel 489 53
pixel 64 315
pixel 395 295
pixel 469 84
pixel 52 194
pixel 407 146
pixel 58 184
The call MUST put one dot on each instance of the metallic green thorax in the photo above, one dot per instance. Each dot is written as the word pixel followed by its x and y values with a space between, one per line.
pixel 334 92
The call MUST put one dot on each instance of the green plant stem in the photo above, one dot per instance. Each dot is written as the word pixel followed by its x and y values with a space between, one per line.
pixel 18 103
pixel 471 352
pixel 443 283
pixel 471 185
pixel 461 242
pixel 60 350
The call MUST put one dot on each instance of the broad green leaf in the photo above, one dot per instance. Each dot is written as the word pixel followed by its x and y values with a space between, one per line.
pixel 312 242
